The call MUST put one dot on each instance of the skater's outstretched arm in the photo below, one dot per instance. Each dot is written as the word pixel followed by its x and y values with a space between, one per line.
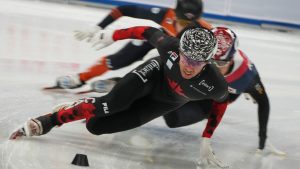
pixel 154 36
pixel 215 117
pixel 135 11
pixel 207 156
pixel 154 14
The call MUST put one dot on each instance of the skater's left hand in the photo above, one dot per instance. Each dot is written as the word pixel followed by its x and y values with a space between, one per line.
pixel 207 157
pixel 86 34
pixel 270 148
pixel 102 39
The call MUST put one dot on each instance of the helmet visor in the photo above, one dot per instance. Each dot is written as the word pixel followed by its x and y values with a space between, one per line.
pixel 191 62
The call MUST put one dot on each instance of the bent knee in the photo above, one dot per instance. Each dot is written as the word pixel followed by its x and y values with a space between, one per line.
pixel 171 124
pixel 91 126
pixel 93 130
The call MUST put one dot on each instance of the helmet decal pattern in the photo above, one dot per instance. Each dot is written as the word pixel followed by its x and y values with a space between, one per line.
pixel 198 44
pixel 227 43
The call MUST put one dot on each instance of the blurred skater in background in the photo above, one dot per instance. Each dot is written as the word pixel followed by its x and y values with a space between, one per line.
pixel 172 22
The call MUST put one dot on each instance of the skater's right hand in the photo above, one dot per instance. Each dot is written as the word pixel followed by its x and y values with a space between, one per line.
pixel 207 157
pixel 86 34
pixel 102 39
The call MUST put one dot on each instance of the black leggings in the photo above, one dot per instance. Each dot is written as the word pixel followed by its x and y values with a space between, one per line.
pixel 192 112
pixel 130 103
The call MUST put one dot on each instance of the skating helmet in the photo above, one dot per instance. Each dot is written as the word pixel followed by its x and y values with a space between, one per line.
pixel 198 44
pixel 189 9
pixel 227 43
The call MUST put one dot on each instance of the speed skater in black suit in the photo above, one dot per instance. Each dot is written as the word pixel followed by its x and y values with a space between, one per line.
pixel 182 73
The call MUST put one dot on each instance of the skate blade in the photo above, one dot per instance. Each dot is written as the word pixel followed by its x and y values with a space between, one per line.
pixel 85 92
pixel 17 134
pixel 55 89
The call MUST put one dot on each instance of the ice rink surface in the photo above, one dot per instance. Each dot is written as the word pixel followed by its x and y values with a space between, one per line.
pixel 37 45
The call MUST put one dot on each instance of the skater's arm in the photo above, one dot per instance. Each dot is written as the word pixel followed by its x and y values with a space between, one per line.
pixel 153 35
pixel 206 151
pixel 150 13
pixel 215 117
pixel 259 95
pixel 116 13
pixel 154 14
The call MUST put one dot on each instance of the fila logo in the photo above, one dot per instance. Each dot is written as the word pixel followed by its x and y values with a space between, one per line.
pixel 105 108
pixel 173 55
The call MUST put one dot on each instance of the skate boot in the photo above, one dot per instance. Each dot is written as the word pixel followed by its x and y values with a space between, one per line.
pixel 69 82
pixel 103 86
pixel 38 126
pixel 34 127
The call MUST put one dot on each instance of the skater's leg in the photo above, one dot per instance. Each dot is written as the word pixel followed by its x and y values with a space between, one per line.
pixel 125 120
pixel 97 69
pixel 40 125
pixel 190 113
pixel 127 55
pixel 132 87
pixel 129 89
pixel 124 57
pixel 140 112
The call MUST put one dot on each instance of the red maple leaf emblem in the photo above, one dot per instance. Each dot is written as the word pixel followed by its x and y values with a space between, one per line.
pixel 176 87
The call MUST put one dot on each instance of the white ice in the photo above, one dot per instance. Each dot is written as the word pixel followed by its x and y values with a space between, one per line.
pixel 37 45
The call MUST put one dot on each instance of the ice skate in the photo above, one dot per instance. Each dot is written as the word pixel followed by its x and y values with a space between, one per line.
pixel 34 127
pixel 66 82
pixel 37 126
pixel 103 86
